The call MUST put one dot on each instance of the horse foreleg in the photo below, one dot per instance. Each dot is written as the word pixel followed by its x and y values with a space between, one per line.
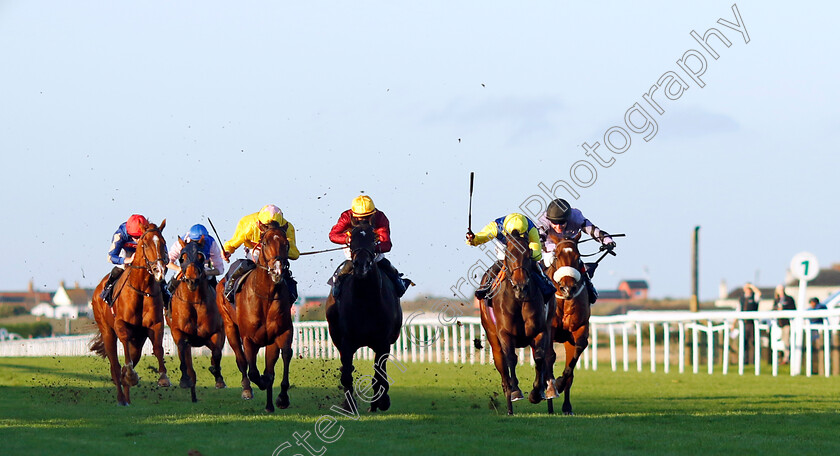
pixel 573 352
pixel 216 345
pixel 109 338
pixel 508 352
pixel 284 342
pixel 156 334
pixel 251 350
pixel 185 356
pixel 538 351
pixel 272 352
pixel 235 342
pixel 551 387
pixel 380 381
pixel 347 377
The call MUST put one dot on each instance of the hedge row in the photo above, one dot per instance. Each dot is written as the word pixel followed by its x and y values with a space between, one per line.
pixel 35 329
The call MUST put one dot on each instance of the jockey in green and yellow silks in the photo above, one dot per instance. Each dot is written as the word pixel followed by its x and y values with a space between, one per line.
pixel 498 230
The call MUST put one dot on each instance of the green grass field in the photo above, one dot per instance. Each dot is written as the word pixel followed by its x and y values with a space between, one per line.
pixel 66 406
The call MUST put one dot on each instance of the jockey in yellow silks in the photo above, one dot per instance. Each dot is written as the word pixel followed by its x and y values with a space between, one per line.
pixel 499 229
pixel 248 233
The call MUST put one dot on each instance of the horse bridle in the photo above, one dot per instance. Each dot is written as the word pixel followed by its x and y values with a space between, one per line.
pixel 509 276
pixel 574 273
pixel 141 244
pixel 280 258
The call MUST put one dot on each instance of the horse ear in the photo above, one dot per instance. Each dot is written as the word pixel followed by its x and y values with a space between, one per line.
pixel 285 227
pixel 181 241
pixel 262 226
pixel 201 240
pixel 162 225
pixel 515 233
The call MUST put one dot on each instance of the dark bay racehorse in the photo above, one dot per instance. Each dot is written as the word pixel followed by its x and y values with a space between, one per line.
pixel 518 318
pixel 195 319
pixel 262 316
pixel 137 312
pixel 570 322
pixel 367 313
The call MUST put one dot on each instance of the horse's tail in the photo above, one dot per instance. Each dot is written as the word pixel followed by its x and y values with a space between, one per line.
pixel 97 345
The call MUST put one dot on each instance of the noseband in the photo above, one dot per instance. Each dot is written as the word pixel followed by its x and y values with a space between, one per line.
pixel 567 271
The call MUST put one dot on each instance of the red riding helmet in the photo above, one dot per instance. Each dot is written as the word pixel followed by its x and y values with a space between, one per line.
pixel 134 225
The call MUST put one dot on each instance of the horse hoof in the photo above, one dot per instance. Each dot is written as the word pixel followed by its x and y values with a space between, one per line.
pixel 269 409
pixel 535 397
pixel 185 383
pixel 282 402
pixel 384 403
pixel 247 395
pixel 220 385
pixel 569 413
pixel 165 383
pixel 516 396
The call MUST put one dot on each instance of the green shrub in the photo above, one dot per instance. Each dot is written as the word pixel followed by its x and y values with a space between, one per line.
pixel 35 329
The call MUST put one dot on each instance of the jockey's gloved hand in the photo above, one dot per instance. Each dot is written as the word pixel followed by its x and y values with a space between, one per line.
pixel 608 246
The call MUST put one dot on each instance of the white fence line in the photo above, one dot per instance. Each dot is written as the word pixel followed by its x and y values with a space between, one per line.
pixel 711 335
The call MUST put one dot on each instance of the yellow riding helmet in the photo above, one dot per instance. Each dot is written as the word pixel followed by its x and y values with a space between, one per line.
pixel 362 206
pixel 270 212
pixel 517 222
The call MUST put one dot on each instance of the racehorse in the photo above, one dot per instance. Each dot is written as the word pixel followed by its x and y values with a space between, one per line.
pixel 262 316
pixel 517 318
pixel 195 319
pixel 137 312
pixel 367 313
pixel 570 321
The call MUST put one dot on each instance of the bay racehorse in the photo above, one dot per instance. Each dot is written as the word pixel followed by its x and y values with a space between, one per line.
pixel 570 321
pixel 367 313
pixel 137 312
pixel 262 316
pixel 517 317
pixel 195 319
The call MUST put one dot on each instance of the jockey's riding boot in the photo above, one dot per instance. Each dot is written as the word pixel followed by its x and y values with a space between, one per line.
pixel 590 289
pixel 546 287
pixel 487 281
pixel 237 270
pixel 291 283
pixel 400 284
pixel 587 271
pixel 341 272
pixel 170 289
pixel 165 294
pixel 108 289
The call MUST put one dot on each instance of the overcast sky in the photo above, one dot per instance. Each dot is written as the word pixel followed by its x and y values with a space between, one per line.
pixel 194 109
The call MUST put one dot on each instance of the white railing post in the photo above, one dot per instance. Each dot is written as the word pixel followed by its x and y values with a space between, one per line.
pixel 666 340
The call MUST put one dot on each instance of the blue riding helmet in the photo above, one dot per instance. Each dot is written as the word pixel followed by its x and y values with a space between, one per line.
pixel 196 231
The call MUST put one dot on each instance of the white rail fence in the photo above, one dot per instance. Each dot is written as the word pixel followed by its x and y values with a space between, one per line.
pixel 660 340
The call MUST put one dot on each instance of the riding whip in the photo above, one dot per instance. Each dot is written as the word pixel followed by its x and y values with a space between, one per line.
pixel 217 234
pixel 469 216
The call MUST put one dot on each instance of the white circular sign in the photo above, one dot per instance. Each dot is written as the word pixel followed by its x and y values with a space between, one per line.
pixel 804 266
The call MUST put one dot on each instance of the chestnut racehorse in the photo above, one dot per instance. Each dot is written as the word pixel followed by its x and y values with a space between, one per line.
pixel 367 313
pixel 262 316
pixel 518 318
pixel 570 322
pixel 137 312
pixel 195 319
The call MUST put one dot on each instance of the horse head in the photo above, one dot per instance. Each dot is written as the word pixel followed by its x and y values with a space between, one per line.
pixel 274 250
pixel 566 274
pixel 151 251
pixel 518 263
pixel 192 261
pixel 362 248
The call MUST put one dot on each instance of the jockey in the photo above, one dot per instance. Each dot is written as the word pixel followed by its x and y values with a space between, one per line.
pixel 562 220
pixel 363 209
pixel 214 265
pixel 124 242
pixel 248 233
pixel 500 228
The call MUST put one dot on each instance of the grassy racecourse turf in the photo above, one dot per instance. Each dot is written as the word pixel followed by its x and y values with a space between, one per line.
pixel 66 406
